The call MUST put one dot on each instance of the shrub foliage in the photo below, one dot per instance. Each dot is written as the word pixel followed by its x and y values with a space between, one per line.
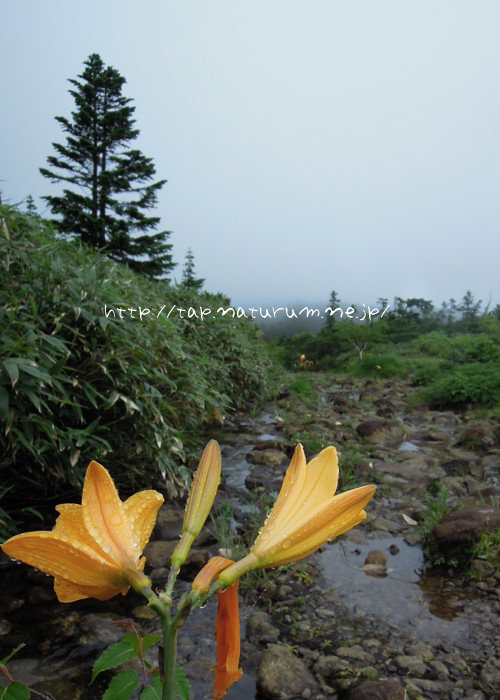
pixel 77 384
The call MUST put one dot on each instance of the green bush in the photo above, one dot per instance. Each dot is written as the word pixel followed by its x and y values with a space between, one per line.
pixel 476 384
pixel 426 371
pixel 380 365
pixel 459 349
pixel 78 383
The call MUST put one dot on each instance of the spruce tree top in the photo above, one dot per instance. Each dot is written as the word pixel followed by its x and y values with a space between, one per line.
pixel 111 185
pixel 189 280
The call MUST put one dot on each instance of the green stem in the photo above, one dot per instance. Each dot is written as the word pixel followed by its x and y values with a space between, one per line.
pixel 169 630
pixel 169 659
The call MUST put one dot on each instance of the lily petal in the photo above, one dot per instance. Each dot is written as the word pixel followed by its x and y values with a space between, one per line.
pixel 61 559
pixel 289 495
pixel 104 516
pixel 71 528
pixel 141 510
pixel 227 625
pixel 69 592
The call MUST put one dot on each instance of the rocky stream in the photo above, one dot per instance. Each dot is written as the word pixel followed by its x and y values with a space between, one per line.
pixel 364 618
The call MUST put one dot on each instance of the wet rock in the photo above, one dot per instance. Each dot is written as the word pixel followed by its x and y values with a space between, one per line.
pixel 380 431
pixel 260 629
pixel 378 690
pixel 377 556
pixel 463 465
pixel 159 576
pixel 158 555
pixel 393 549
pixel 413 665
pixel 481 568
pixel 272 444
pixel 446 418
pixel 355 653
pixel 385 525
pixel 329 667
pixel 268 458
pixel 100 629
pixel 466 525
pixel 413 539
pixel 283 675
pixel 199 668
pixel 260 476
pixel 168 523
pixel 409 469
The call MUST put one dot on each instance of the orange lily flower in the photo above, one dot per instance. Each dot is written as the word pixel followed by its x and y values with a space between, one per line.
pixel 305 515
pixel 94 549
pixel 227 626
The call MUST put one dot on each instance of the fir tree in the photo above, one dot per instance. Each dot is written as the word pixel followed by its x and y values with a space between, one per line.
pixel 188 277
pixel 31 206
pixel 112 184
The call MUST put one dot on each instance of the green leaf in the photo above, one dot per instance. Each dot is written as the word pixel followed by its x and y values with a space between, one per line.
pixel 113 656
pixel 122 686
pixel 4 401
pixel 149 640
pixel 153 691
pixel 181 684
pixel 15 691
pixel 12 370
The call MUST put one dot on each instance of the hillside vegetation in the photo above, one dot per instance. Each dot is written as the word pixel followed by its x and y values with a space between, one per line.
pixel 452 359
pixel 79 383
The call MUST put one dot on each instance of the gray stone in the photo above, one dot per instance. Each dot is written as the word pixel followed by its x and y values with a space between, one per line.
pixel 378 690
pixel 381 431
pixel 411 664
pixel 330 666
pixel 355 653
pixel 283 675
pixel 466 525
pixel 259 628
pixel 267 458
pixel 158 554
pixel 481 568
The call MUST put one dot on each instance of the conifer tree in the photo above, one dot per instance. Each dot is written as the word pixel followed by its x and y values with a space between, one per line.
pixel 189 280
pixel 31 206
pixel 111 184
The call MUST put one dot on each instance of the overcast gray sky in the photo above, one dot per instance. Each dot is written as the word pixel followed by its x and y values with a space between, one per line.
pixel 308 145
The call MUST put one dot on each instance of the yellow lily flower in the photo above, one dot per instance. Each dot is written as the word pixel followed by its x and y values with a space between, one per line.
pixel 94 549
pixel 305 515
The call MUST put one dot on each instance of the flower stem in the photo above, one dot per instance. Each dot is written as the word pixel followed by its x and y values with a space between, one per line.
pixel 169 630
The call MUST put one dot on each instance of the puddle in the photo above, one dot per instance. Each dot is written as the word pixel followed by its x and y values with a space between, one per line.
pixel 405 598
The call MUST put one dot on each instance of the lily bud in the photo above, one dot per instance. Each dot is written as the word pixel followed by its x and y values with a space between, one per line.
pixel 205 483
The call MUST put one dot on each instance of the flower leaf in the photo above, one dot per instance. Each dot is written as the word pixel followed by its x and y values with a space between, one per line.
pixel 122 686
pixel 153 691
pixel 181 684
pixel 115 655
pixel 15 691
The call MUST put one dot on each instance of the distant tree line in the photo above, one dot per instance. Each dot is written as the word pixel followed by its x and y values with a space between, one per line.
pixel 406 320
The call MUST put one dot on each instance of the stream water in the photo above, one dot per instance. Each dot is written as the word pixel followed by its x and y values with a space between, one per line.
pixel 63 641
